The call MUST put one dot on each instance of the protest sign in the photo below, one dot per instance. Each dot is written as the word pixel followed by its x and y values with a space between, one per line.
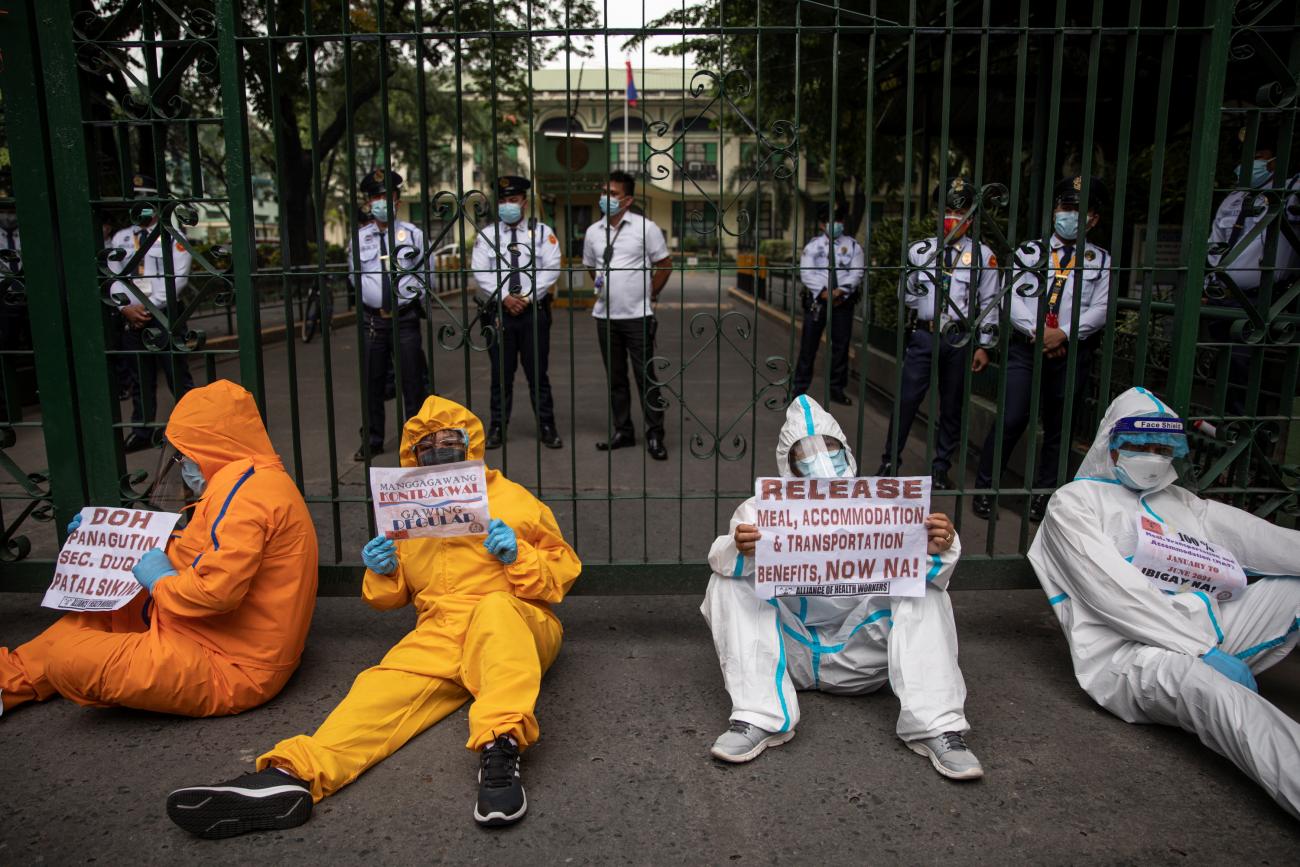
pixel 1176 561
pixel 443 500
pixel 93 571
pixel 841 537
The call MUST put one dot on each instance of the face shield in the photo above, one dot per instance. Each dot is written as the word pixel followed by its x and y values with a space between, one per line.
pixel 445 446
pixel 1145 448
pixel 171 489
pixel 819 457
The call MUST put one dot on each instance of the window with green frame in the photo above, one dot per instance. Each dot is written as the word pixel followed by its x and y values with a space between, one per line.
pixel 616 153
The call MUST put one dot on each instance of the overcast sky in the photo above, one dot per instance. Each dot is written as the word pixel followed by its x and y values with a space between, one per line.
pixel 622 14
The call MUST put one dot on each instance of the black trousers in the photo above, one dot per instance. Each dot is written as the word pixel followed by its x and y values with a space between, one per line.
pixel 142 378
pixel 841 336
pixel 624 341
pixel 1051 405
pixel 916 384
pixel 519 341
pixel 378 335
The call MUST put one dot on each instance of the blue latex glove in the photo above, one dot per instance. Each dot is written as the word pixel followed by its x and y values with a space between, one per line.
pixel 380 555
pixel 501 541
pixel 74 524
pixel 1230 667
pixel 153 566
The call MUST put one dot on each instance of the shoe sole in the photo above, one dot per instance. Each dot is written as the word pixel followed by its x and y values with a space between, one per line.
pixel 770 741
pixel 972 774
pixel 497 819
pixel 215 812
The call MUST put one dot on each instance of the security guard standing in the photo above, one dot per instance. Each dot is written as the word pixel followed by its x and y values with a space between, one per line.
pixel 515 265
pixel 1043 324
pixel 950 278
pixel 831 270
pixel 390 258
pixel 146 271
pixel 1237 215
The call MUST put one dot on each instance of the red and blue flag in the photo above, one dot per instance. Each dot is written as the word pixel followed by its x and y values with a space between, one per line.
pixel 631 85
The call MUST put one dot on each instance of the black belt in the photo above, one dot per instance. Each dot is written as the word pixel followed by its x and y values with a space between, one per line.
pixel 1022 338
pixel 402 310
pixel 925 325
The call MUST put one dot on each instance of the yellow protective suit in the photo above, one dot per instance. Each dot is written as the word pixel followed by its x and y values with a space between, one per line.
pixel 224 633
pixel 484 629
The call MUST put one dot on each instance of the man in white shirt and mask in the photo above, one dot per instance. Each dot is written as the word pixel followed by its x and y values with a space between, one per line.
pixel 628 259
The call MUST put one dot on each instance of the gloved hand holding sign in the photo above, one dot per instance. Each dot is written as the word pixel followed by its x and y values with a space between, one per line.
pixel 74 523
pixel 501 541
pixel 153 566
pixel 1230 667
pixel 380 555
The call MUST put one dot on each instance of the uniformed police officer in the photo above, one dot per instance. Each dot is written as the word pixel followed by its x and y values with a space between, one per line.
pixel 831 270
pixel 390 257
pixel 951 278
pixel 515 265
pixel 1238 214
pixel 145 280
pixel 1044 325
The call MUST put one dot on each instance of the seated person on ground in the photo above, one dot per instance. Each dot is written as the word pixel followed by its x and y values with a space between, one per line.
pixel 848 645
pixel 485 630
pixel 223 613
pixel 1156 638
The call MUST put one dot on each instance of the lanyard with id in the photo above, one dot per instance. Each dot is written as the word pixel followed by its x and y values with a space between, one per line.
pixel 1061 275
pixel 608 255
pixel 1175 561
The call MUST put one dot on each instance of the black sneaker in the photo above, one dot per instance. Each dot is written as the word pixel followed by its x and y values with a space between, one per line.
pixel 939 481
pixel 501 799
pixel 494 437
pixel 982 506
pixel 1038 507
pixel 268 800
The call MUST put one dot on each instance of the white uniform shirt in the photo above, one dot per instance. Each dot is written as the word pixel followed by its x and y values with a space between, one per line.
pixel 928 260
pixel 1096 287
pixel 638 244
pixel 398 253
pixel 815 264
pixel 10 240
pixel 148 271
pixel 1245 269
pixel 491 259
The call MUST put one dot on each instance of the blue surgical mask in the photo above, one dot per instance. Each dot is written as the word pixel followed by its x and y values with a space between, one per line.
pixel 379 210
pixel 1066 225
pixel 510 212
pixel 609 205
pixel 193 476
pixel 836 229
pixel 1259 173
pixel 824 465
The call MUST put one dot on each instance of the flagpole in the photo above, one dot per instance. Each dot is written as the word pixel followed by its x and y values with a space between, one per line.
pixel 625 141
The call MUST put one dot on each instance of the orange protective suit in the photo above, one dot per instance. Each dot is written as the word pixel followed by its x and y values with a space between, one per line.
pixel 485 629
pixel 224 633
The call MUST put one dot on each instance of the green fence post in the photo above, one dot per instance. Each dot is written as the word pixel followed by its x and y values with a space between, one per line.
pixel 239 190
pixel 1199 202
pixel 87 395
pixel 29 156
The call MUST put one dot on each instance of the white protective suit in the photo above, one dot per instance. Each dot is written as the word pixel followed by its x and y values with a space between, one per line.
pixel 850 645
pixel 1136 648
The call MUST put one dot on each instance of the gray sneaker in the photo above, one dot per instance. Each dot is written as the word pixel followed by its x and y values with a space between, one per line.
pixel 949 755
pixel 742 742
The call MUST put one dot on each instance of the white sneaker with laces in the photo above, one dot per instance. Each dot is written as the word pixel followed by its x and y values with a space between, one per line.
pixel 949 755
pixel 743 741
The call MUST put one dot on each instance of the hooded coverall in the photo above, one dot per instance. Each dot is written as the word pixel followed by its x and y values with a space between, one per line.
pixel 224 633
pixel 1135 648
pixel 484 629
pixel 849 645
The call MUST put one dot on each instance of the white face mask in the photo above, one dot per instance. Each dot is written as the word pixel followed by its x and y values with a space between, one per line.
pixel 1141 471
pixel 193 476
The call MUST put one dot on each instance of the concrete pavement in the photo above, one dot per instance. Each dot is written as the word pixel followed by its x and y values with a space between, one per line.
pixel 622 775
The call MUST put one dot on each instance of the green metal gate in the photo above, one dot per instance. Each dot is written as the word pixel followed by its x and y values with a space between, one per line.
pixel 256 118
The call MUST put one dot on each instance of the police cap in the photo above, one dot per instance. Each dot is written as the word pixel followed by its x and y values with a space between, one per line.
pixel 512 185
pixel 144 185
pixel 960 196
pixel 1069 191
pixel 378 181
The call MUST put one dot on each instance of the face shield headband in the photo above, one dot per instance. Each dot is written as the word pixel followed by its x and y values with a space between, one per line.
pixel 819 457
pixel 1151 430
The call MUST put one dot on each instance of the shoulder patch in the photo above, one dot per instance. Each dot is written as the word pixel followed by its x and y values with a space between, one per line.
pixel 550 239
pixel 993 261
pixel 180 248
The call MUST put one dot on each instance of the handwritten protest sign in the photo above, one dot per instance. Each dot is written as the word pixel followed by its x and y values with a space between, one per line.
pixel 841 537
pixel 446 500
pixel 93 571
pixel 1177 561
